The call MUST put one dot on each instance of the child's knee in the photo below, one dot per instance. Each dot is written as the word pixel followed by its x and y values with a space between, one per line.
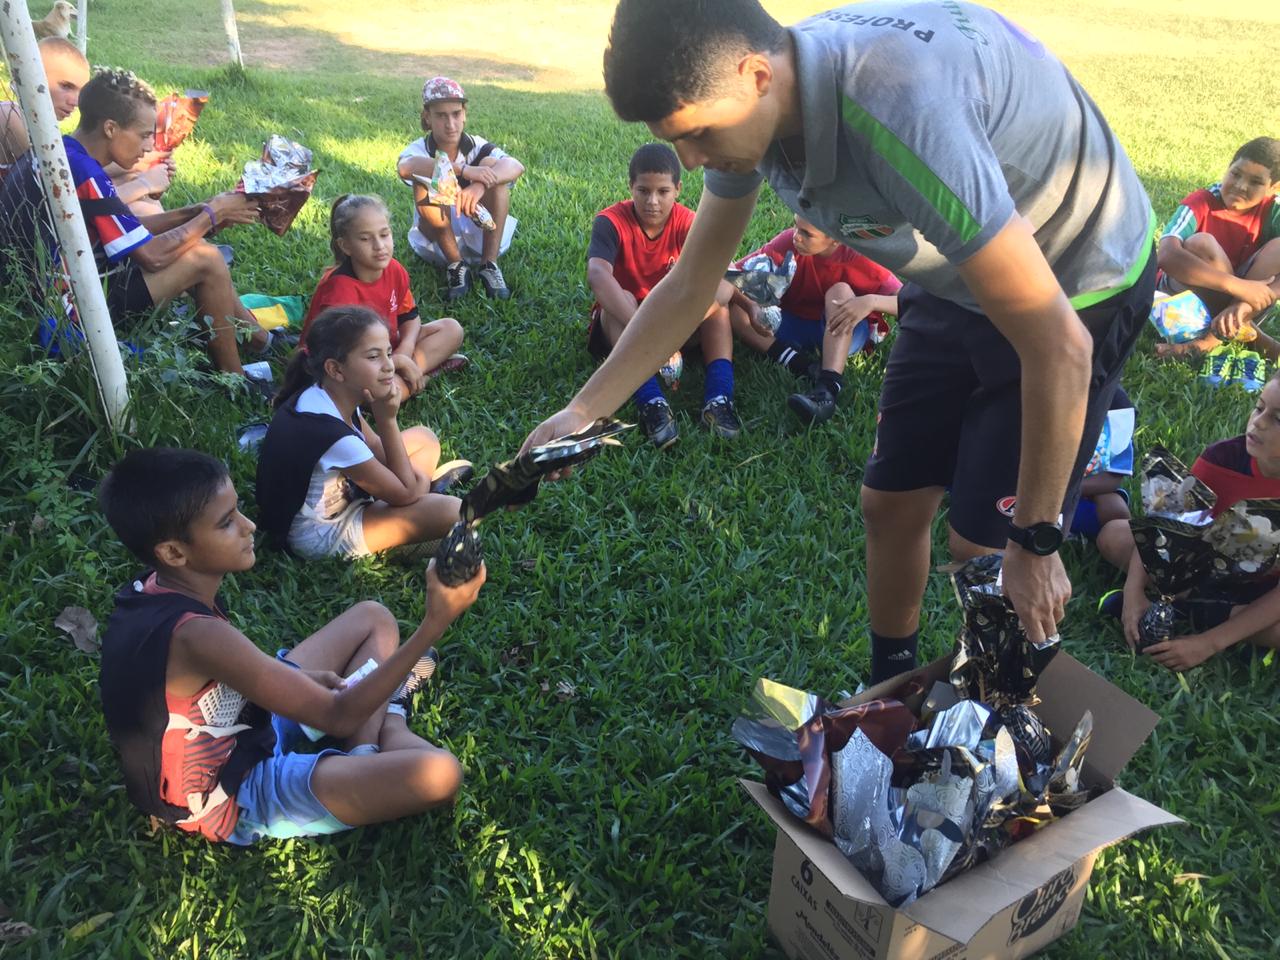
pixel 1204 246
pixel 839 291
pixel 451 329
pixel 380 625
pixel 436 777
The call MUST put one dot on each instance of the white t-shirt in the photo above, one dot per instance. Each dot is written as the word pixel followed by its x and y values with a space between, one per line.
pixel 330 493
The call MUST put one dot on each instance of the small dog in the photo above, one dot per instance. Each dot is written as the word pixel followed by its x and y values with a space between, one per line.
pixel 57 23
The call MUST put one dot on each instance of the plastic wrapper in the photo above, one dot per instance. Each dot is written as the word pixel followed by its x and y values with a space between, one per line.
pixel 771 318
pixel 444 188
pixel 1169 489
pixel 1181 318
pixel 176 117
pixel 760 279
pixel 994 660
pixel 672 370
pixel 1245 540
pixel 281 181
pixel 510 484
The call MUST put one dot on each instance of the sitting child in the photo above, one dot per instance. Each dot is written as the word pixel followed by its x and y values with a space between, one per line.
pixel 836 301
pixel 328 485
pixel 1242 468
pixel 366 274
pixel 447 237
pixel 143 262
pixel 67 71
pixel 1102 515
pixel 1223 243
pixel 633 245
pixel 206 724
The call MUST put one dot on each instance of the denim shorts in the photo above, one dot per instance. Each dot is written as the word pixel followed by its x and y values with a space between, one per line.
pixel 809 333
pixel 339 536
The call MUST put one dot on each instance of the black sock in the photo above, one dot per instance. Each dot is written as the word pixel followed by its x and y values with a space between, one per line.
pixel 790 356
pixel 891 656
pixel 833 382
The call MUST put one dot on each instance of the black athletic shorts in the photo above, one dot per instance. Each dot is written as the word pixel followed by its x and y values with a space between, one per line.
pixel 128 299
pixel 951 407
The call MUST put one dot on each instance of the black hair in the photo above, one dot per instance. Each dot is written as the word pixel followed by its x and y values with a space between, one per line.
pixel 115 95
pixel 666 53
pixel 341 214
pixel 654 158
pixel 332 336
pixel 1264 151
pixel 155 494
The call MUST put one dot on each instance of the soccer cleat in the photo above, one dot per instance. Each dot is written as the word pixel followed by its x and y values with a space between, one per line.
pixel 658 423
pixel 816 406
pixel 458 276
pixel 495 285
pixel 448 474
pixel 719 416
pixel 422 672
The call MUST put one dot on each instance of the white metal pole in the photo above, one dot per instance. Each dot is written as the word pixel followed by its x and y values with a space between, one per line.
pixel 32 87
pixel 233 34
pixel 82 26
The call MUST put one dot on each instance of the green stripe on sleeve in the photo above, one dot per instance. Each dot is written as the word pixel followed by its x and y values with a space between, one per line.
pixel 899 156
pixel 1182 224
pixel 1082 300
pixel 1271 229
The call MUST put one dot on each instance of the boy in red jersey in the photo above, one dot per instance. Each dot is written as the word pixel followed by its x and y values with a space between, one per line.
pixel 634 243
pixel 1223 243
pixel 836 302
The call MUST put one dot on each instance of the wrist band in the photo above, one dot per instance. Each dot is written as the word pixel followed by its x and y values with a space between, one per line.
pixel 213 221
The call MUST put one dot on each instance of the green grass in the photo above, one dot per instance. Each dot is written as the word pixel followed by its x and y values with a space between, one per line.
pixel 608 824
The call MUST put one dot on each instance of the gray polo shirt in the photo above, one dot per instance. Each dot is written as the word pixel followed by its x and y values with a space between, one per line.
pixel 926 125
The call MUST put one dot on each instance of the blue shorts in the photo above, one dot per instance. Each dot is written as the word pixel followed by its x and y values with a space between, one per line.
pixel 1085 522
pixel 807 333
pixel 275 797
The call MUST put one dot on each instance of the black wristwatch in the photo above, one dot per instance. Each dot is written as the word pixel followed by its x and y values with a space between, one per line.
pixel 1041 539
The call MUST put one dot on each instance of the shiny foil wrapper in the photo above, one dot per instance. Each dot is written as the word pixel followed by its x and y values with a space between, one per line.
pixel 443 189
pixel 761 280
pixel 459 556
pixel 1174 553
pixel 672 370
pixel 176 117
pixel 1158 624
pixel 1169 489
pixel 1027 734
pixel 281 182
pixel 1245 540
pixel 771 318
pixel 994 662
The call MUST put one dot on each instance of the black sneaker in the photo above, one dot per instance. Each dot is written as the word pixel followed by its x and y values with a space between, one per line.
pixel 816 406
pixel 423 671
pixel 458 276
pixel 450 474
pixel 658 423
pixel 719 416
pixel 495 286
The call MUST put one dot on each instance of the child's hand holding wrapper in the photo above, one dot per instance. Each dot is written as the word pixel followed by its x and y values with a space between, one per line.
pixel 512 484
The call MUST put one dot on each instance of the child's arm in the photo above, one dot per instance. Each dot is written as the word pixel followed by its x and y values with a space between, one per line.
pixel 1182 653
pixel 213 649
pixel 609 293
pixel 408 167
pixel 844 309
pixel 389 476
pixel 1135 599
pixel 1189 270
pixel 1100 483
pixel 402 356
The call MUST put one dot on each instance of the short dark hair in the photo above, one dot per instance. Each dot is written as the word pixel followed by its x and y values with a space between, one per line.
pixel 113 95
pixel 666 53
pixel 155 494
pixel 1264 151
pixel 654 158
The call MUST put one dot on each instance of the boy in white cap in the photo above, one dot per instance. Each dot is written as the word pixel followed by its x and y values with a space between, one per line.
pixel 447 237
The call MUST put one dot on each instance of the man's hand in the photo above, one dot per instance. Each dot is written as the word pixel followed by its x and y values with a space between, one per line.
pixel 1256 293
pixel 1182 653
pixel 557 425
pixel 233 208
pixel 408 371
pixel 843 314
pixel 481 175
pixel 446 604
pixel 468 197
pixel 1038 588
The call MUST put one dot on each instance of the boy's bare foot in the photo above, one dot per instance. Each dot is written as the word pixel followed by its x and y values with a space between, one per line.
pixel 1189 350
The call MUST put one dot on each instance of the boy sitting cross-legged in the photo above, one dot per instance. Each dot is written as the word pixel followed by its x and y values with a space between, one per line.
pixel 206 723
pixel 634 243
pixel 836 302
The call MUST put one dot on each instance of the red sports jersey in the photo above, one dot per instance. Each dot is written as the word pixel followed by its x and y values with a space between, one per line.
pixel 816 275
pixel 641 262
pixel 389 296
pixel 1233 475
pixel 1238 233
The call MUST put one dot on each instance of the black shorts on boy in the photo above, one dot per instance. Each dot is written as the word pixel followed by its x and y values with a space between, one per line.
pixel 951 407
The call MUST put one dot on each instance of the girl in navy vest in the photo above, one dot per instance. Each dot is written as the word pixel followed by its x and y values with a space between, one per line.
pixel 329 485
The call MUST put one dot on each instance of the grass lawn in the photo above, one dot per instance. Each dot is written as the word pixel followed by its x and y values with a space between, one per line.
pixel 604 821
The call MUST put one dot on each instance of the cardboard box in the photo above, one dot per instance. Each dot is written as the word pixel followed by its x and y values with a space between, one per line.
pixel 821 907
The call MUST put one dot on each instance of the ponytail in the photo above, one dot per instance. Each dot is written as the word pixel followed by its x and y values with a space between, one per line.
pixel 333 334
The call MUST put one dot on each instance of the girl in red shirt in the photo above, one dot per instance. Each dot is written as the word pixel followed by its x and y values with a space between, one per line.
pixel 365 273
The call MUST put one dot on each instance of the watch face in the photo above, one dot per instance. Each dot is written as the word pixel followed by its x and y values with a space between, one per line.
pixel 1045 538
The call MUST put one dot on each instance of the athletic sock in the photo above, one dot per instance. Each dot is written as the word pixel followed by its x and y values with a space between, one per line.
pixel 890 656
pixel 790 356
pixel 719 381
pixel 832 381
pixel 649 391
